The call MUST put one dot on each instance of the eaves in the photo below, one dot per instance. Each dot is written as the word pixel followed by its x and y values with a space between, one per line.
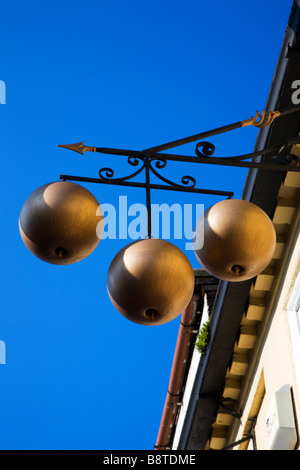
pixel 232 299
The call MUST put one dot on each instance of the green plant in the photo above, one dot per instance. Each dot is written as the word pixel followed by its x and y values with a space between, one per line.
pixel 203 338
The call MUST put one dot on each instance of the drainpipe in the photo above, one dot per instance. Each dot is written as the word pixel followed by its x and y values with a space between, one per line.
pixel 186 330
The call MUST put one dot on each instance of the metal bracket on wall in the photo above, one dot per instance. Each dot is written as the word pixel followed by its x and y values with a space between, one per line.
pixel 246 437
pixel 235 414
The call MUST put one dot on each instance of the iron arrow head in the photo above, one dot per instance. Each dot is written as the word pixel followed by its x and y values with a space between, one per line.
pixel 79 147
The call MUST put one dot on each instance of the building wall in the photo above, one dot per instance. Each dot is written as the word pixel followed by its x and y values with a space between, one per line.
pixel 277 364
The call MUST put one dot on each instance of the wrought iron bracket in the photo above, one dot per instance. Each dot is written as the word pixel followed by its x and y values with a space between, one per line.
pixel 235 414
pixel 151 160
pixel 246 437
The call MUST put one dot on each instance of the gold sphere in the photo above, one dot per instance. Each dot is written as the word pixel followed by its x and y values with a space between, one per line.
pixel 239 240
pixel 61 222
pixel 150 281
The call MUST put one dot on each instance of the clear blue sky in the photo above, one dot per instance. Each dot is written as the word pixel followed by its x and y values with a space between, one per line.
pixel 128 74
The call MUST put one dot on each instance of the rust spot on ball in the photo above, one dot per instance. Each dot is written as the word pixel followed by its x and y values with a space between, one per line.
pixel 151 313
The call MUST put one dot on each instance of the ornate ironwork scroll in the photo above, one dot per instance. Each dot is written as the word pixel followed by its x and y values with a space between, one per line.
pixel 107 174
pixel 281 153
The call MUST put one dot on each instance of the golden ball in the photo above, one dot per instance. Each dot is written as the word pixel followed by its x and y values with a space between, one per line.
pixel 61 222
pixel 239 240
pixel 150 281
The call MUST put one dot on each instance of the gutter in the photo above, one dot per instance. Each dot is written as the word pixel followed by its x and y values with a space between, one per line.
pixel 275 92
